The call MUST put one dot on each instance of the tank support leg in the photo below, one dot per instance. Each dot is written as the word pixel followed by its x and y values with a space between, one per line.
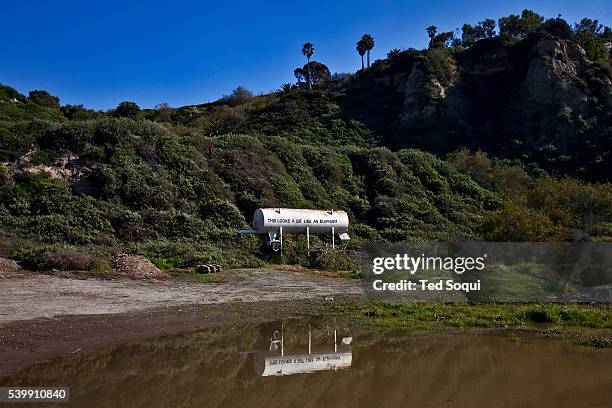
pixel 335 342
pixel 309 340
pixel 281 241
pixel 308 237
pixel 282 339
pixel 333 238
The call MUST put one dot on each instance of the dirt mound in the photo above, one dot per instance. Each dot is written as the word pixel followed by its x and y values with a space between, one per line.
pixel 7 265
pixel 136 266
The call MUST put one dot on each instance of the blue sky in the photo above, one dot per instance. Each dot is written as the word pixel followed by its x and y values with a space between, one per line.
pixel 98 53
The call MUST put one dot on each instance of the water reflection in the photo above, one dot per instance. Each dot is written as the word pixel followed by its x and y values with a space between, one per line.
pixel 281 359
pixel 382 368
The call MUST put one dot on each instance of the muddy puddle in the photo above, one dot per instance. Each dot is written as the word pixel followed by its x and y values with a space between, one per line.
pixel 319 363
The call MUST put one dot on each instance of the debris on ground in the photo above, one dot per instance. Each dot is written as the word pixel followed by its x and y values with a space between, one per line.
pixel 135 266
pixel 8 265
pixel 208 268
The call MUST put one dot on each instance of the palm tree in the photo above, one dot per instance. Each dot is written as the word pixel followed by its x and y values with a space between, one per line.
pixel 360 50
pixel 308 51
pixel 431 32
pixel 368 43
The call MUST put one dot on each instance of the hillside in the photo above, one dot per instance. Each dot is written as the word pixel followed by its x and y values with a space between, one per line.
pixel 441 144
pixel 539 100
pixel 118 181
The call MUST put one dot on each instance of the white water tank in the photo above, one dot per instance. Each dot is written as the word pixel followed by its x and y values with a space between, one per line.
pixel 274 222
pixel 297 220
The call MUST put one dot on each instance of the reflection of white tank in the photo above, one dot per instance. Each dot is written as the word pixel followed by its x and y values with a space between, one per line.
pixel 268 365
pixel 276 221
pixel 278 361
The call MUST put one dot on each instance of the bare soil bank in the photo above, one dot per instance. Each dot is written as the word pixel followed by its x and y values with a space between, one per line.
pixel 27 295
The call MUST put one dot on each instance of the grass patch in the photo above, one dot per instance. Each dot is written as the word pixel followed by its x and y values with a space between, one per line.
pixel 169 262
pixel 100 266
pixel 431 314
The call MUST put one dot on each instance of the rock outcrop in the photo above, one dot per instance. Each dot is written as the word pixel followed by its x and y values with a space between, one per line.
pixel 539 99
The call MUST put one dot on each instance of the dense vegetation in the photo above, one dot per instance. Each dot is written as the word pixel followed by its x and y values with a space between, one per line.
pixel 139 184
pixel 404 161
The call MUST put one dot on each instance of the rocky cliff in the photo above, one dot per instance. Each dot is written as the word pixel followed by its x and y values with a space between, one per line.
pixel 539 100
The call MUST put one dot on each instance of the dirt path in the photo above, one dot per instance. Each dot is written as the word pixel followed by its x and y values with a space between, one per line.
pixel 27 295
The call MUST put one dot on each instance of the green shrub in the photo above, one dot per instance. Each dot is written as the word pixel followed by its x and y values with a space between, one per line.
pixel 68 260
pixel 100 266
pixel 337 260
pixel 221 212
pixel 518 223
pixel 571 315
pixel 3 176
pixel 166 262
pixel 127 109
pixel 439 63
pixel 33 257
pixel 542 314
pixel 44 98
pixel 40 157
pixel 365 232
pixel 65 136
pixel 95 154
pixel 227 258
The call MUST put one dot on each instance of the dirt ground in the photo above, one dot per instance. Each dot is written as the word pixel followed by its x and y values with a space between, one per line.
pixel 44 316
pixel 28 295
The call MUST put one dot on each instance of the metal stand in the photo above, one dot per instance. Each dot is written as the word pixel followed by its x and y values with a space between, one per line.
pixel 333 237
pixel 335 342
pixel 309 340
pixel 281 242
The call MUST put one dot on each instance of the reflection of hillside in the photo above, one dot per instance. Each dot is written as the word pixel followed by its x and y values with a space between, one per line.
pixel 205 369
